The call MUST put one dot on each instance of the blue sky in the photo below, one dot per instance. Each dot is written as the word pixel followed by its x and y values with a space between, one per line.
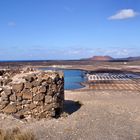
pixel 68 29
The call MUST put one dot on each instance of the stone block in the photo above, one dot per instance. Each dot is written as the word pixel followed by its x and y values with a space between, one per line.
pixel 17 87
pixel 30 78
pixel 34 90
pixel 28 85
pixel 3 104
pixel 19 94
pixel 7 91
pixel 10 109
pixel 27 95
pixel 39 97
pixel 35 83
pixel 47 107
pixel 48 99
pixel 49 80
pixel 13 97
pixel 42 89
pixel 32 106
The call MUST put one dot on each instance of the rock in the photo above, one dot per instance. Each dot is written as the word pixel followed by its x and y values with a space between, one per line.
pixel 61 88
pixel 18 116
pixel 1 107
pixel 42 115
pixel 32 106
pixel 55 99
pixel 26 102
pixel 59 82
pixel 7 91
pixel 1 82
pixel 41 81
pixel 6 81
pixel 56 105
pixel 42 89
pixel 49 80
pixel 27 95
pixel 50 92
pixel 41 74
pixel 1 89
pixel 13 97
pixel 44 84
pixel 38 109
pixel 35 90
pixel 30 78
pixel 2 72
pixel 39 97
pixel 48 99
pixel 25 90
pixel 10 109
pixel 3 94
pixel 54 88
pixel 47 107
pixel 53 113
pixel 36 83
pixel 28 85
pixel 17 87
pixel 45 76
pixel 19 94
pixel 4 97
pixel 19 107
pixel 25 111
pixel 56 79
pixel 19 98
pixel 40 103
pixel 61 75
pixel 3 104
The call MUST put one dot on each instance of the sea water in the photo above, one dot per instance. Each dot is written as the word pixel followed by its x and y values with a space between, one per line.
pixel 72 78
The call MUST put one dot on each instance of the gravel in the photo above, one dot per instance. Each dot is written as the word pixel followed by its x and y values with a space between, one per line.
pixel 102 115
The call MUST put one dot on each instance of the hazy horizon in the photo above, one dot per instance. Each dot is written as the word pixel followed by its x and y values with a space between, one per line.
pixel 115 58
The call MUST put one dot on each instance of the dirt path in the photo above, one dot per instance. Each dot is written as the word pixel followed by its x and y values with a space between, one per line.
pixel 104 115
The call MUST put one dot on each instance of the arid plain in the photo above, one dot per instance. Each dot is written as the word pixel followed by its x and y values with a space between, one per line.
pixel 107 111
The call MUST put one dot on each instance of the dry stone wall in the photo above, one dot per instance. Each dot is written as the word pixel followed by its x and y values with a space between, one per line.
pixel 31 93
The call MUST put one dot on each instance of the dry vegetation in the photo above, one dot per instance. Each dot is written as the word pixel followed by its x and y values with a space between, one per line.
pixel 15 134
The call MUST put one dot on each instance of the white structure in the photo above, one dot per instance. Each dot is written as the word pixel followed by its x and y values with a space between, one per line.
pixel 107 76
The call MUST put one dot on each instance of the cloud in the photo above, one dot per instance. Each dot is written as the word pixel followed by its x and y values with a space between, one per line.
pixel 70 52
pixel 124 14
pixel 12 24
pixel 118 52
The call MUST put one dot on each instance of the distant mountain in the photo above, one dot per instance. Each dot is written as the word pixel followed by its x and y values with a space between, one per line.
pixel 101 58
pixel 134 58
pixel 109 58
pixel 128 59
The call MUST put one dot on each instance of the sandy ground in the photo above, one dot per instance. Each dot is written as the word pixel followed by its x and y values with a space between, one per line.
pixel 104 115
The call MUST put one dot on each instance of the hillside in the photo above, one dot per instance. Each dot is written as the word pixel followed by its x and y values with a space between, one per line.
pixel 109 58
pixel 101 58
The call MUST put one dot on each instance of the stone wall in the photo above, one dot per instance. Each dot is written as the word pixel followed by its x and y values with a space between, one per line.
pixel 31 93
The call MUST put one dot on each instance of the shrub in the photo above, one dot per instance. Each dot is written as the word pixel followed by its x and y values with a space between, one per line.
pixel 15 134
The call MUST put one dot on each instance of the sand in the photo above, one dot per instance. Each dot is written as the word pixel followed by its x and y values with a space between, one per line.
pixel 104 115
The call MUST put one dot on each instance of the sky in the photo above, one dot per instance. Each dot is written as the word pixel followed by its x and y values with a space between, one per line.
pixel 68 29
